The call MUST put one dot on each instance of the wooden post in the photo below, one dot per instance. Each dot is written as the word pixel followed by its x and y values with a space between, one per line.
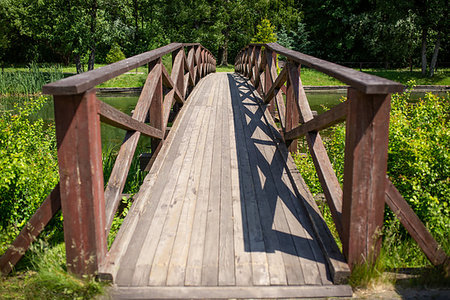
pixel 292 113
pixel 366 146
pixel 270 74
pixel 81 180
pixel 156 111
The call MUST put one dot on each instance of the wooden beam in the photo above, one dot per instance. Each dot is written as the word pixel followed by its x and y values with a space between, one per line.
pixel 366 150
pixel 292 108
pixel 167 81
pixel 273 90
pixel 124 158
pixel 335 115
pixel 81 180
pixel 414 226
pixel 328 180
pixel 116 118
pixel 31 230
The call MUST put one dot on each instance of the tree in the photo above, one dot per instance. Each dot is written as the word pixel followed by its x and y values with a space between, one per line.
pixel 265 33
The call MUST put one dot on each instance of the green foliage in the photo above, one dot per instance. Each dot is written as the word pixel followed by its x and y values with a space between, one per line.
pixel 419 157
pixel 28 165
pixel 29 81
pixel 297 39
pixel 115 54
pixel 418 165
pixel 265 32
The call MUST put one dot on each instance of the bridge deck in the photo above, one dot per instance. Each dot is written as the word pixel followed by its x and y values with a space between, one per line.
pixel 219 213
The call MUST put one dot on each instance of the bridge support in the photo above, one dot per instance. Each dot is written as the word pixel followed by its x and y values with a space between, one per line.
pixel 365 166
pixel 81 180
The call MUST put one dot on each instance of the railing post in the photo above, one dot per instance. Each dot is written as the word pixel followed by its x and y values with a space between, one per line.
pixel 366 146
pixel 156 111
pixel 81 180
pixel 292 113
pixel 270 74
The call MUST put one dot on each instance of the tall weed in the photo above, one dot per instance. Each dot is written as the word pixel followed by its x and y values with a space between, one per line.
pixel 28 82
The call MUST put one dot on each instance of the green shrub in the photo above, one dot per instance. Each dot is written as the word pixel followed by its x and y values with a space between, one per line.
pixel 28 166
pixel 115 54
pixel 418 165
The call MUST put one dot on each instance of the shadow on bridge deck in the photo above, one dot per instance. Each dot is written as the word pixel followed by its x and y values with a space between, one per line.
pixel 223 212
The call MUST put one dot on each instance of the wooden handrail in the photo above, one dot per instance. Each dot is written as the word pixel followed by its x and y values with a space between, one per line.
pixel 366 83
pixel 88 209
pixel 358 208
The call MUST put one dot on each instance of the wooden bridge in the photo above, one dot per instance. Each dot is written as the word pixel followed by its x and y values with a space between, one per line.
pixel 223 211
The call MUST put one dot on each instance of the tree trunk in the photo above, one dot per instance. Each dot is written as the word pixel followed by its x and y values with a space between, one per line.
pixel 78 64
pixel 93 28
pixel 424 50
pixel 91 60
pixel 435 54
pixel 225 52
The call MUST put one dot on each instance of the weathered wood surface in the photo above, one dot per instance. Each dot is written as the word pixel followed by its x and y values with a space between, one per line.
pixel 50 206
pixel 218 208
pixel 365 166
pixel 80 160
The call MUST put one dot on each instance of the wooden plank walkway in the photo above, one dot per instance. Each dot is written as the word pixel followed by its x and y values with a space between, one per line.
pixel 223 213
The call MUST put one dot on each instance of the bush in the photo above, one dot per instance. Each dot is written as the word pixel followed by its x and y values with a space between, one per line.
pixel 115 54
pixel 28 166
pixel 418 165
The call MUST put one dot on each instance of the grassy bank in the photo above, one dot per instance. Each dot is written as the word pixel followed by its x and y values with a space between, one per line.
pixel 24 80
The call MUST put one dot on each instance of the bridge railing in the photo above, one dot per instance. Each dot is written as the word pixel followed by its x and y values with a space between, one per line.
pixel 358 207
pixel 88 209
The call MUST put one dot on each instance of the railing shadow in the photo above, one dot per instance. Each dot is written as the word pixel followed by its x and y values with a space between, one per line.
pixel 261 185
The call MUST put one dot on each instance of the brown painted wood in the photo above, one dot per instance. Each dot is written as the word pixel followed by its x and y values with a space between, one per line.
pixel 156 112
pixel 274 89
pixel 123 161
pixel 167 81
pixel 293 110
pixel 31 230
pixel 80 161
pixel 335 115
pixel 414 226
pixel 82 82
pixel 116 118
pixel 366 83
pixel 325 172
pixel 365 166
pixel 177 74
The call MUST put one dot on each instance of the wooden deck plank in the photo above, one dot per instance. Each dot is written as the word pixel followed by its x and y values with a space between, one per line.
pixel 210 266
pixel 152 200
pixel 126 231
pixel 153 232
pixel 285 263
pixel 310 254
pixel 160 265
pixel 193 275
pixel 243 259
pixel 177 267
pixel 291 292
pixel 226 239
pixel 255 243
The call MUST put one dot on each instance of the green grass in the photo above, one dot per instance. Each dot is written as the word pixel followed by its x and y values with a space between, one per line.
pixel 229 68
pixel 441 77
pixel 47 278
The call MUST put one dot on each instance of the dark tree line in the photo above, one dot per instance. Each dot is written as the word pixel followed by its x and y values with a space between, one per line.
pixel 395 32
